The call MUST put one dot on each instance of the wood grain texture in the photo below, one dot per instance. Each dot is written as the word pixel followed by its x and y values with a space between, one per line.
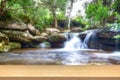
pixel 59 71
pixel 60 78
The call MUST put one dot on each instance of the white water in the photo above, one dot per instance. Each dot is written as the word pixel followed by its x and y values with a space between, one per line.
pixel 74 42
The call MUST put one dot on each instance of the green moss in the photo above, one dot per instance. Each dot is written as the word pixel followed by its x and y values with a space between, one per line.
pixel 14 45
pixel 10 46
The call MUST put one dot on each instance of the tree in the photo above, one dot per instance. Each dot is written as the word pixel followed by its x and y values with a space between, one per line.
pixel 53 6
pixel 97 13
pixel 116 6
pixel 70 11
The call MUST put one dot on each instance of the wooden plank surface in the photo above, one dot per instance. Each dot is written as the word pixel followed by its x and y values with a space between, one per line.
pixel 59 71
pixel 60 78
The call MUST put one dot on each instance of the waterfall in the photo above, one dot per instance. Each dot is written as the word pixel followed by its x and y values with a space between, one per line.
pixel 75 42
pixel 89 36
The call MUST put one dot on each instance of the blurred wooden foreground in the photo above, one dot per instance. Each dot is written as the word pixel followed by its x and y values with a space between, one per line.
pixel 59 71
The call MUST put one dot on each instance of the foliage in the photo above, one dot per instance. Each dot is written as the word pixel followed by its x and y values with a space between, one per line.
pixel 42 13
pixel 37 12
pixel 54 6
pixel 117 36
pixel 97 12
pixel 115 26
pixel 116 6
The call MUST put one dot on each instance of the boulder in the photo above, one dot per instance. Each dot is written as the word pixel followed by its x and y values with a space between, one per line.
pixel 39 39
pixel 33 30
pixel 82 36
pixel 44 34
pixel 57 40
pixel 18 36
pixel 11 25
pixel 77 29
pixel 3 47
pixel 51 31
pixel 4 38
pixel 8 47
pixel 107 40
pixel 14 45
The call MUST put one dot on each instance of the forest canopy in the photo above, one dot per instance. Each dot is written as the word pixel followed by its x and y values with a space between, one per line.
pixel 48 13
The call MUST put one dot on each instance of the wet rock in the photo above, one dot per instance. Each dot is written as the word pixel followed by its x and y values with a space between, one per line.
pixel 18 36
pixel 82 36
pixel 89 38
pixel 33 30
pixel 57 40
pixel 45 45
pixel 107 41
pixel 114 60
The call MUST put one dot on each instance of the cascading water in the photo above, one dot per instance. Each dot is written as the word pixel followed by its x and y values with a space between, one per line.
pixel 74 42
pixel 90 37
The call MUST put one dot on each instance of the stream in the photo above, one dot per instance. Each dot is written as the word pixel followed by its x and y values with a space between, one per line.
pixel 74 52
pixel 60 57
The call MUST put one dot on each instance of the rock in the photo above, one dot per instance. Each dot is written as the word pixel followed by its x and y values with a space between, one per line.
pixel 107 41
pixel 4 38
pixel 82 36
pixel 14 45
pixel 39 39
pixel 45 45
pixel 33 30
pixel 90 38
pixel 44 34
pixel 4 43
pixel 11 25
pixel 56 38
pixel 8 47
pixel 18 36
pixel 76 29
pixel 51 31
pixel 114 60
pixel 3 25
pixel 3 47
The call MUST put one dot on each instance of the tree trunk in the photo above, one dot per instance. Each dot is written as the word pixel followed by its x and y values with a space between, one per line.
pixel 69 14
pixel 55 22
pixel 104 23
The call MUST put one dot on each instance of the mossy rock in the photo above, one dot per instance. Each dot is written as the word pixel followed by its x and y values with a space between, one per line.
pixel 10 46
pixel 56 38
pixel 14 45
pixel 12 25
pixel 3 47
pixel 18 36
pixel 4 38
